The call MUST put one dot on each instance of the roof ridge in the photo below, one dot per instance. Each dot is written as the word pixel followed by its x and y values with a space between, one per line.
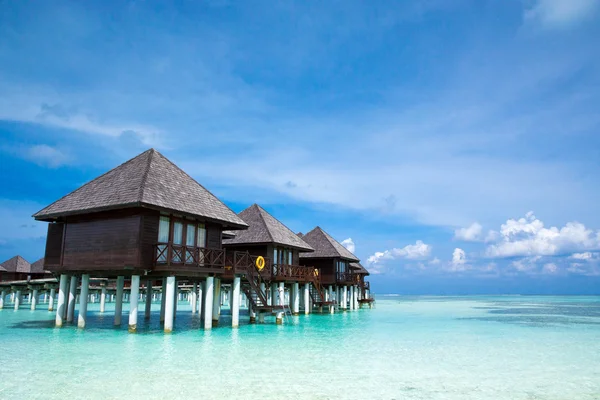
pixel 93 180
pixel 260 213
pixel 145 177
pixel 198 183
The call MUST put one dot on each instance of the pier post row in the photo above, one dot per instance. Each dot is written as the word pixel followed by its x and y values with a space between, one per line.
pixel 146 231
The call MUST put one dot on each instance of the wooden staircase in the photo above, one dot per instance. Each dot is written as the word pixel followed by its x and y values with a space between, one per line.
pixel 317 292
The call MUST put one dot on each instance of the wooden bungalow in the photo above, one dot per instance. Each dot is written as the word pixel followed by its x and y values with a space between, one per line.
pixel 17 268
pixel 364 286
pixel 333 260
pixel 267 237
pixel 145 218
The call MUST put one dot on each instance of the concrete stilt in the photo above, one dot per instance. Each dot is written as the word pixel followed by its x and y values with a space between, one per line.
pixel 83 300
pixel 194 298
pixel 235 303
pixel 352 298
pixel 169 296
pixel 216 302
pixel 29 298
pixel 17 299
pixel 119 300
pixel 261 317
pixel 176 298
pixel 344 297
pixel 252 314
pixel 338 297
pixel 34 298
pixel 199 295
pixel 2 296
pixel 281 301
pixel 72 299
pixel 295 299
pixel 208 302
pixel 356 297
pixel 134 302
pixel 163 297
pixel 51 300
pixel 149 296
pixel 103 299
pixel 62 296
pixel 307 298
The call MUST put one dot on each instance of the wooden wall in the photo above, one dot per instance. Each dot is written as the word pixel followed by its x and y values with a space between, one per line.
pixel 327 267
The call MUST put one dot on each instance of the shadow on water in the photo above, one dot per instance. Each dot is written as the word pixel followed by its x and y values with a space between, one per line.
pixel 541 314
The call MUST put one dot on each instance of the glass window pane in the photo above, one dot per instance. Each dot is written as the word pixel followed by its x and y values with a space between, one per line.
pixel 289 257
pixel 201 235
pixel 275 259
pixel 177 233
pixel 190 235
pixel 163 229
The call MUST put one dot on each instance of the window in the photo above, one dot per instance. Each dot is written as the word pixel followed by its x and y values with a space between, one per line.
pixel 190 237
pixel 177 240
pixel 163 237
pixel 201 236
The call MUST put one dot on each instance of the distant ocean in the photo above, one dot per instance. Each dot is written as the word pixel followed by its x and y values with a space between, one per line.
pixel 474 347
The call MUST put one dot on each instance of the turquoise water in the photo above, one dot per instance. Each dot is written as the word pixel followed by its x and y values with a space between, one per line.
pixel 506 347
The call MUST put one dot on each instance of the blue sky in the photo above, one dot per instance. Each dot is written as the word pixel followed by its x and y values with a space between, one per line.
pixel 455 142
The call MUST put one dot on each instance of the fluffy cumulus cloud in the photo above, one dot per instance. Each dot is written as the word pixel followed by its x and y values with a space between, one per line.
pixel 459 261
pixel 550 268
pixel 416 251
pixel 560 13
pixel 528 237
pixel 472 233
pixel 349 244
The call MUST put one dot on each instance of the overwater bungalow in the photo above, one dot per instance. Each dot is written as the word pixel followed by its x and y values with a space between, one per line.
pixel 147 226
pixel 333 260
pixel 267 237
pixel 18 268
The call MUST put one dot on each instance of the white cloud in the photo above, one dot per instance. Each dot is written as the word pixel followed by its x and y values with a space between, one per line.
pixel 550 268
pixel 349 244
pixel 459 261
pixel 526 264
pixel 435 261
pixel 528 237
pixel 416 251
pixel 582 256
pixel 560 13
pixel 469 234
pixel 45 155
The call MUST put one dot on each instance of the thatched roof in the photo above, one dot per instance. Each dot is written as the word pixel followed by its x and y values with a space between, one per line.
pixel 151 180
pixel 264 228
pixel 325 246
pixel 2 269
pixel 16 264
pixel 359 269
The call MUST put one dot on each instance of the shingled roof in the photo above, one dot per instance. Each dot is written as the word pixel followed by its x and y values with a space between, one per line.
pixel 325 246
pixel 358 268
pixel 2 269
pixel 264 228
pixel 17 264
pixel 149 179
pixel 38 267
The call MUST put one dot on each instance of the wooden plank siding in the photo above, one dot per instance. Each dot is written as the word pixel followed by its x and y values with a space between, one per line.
pixel 54 242
pixel 327 267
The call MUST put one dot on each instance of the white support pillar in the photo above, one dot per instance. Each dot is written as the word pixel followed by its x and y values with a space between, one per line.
pixel 281 302
pixel 344 297
pixel 119 300
pixel 194 298
pixel 295 299
pixel 351 297
pixel 83 300
pixel 133 305
pixel 163 298
pixel 216 302
pixel 338 298
pixel 2 296
pixel 34 299
pixel 356 297
pixel 17 299
pixel 307 298
pixel 176 298
pixel 252 313
pixel 62 296
pixel 169 308
pixel 235 303
pixel 29 298
pixel 72 298
pixel 51 300
pixel 208 302
pixel 149 296
pixel 199 295
pixel 274 297
pixel 103 299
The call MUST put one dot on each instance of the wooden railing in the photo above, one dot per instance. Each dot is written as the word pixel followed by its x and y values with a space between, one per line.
pixel 347 277
pixel 291 272
pixel 181 255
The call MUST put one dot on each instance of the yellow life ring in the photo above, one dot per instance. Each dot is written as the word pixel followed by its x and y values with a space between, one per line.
pixel 316 272
pixel 260 263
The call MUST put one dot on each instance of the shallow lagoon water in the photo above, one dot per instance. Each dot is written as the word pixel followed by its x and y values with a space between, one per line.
pixel 505 347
